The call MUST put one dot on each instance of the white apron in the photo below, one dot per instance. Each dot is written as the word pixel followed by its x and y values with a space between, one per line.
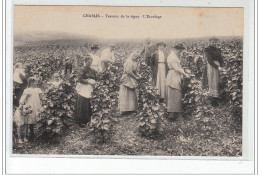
pixel 85 90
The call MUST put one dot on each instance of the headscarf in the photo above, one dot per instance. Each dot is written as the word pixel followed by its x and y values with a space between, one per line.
pixel 133 55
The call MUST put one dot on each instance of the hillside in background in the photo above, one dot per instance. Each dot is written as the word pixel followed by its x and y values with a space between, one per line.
pixel 51 38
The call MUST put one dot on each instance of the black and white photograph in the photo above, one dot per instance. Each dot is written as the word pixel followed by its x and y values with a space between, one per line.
pixel 127 81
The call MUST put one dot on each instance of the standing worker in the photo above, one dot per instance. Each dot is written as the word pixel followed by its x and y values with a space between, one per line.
pixel 148 52
pixel 159 60
pixel 68 67
pixel 107 57
pixel 96 59
pixel 213 65
pixel 173 82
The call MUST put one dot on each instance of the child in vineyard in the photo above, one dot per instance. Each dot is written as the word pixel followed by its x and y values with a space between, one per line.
pixel 56 81
pixel 173 82
pixel 32 96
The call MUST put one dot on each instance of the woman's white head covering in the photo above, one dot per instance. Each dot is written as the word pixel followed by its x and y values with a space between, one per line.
pixel 18 65
pixel 55 75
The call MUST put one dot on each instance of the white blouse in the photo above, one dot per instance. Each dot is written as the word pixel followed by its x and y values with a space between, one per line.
pixel 96 64
pixel 107 55
pixel 161 58
pixel 16 77
pixel 174 75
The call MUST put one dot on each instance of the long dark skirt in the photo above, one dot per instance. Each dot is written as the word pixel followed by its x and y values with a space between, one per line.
pixel 17 93
pixel 83 110
pixel 22 88
pixel 19 88
pixel 154 73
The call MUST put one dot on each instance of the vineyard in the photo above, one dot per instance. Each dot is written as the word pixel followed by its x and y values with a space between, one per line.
pixel 205 128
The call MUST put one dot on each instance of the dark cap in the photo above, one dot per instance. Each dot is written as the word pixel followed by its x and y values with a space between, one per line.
pixel 94 47
pixel 161 44
pixel 213 39
pixel 179 47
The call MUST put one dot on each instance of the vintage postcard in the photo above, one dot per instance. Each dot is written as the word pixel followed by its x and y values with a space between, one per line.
pixel 143 81
pixel 129 87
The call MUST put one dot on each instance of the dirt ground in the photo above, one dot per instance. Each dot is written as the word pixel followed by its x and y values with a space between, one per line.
pixel 183 137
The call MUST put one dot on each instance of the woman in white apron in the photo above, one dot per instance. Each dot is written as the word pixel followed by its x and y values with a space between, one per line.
pixel 87 79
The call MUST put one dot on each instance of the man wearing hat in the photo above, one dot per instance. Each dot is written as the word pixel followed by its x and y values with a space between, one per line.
pixel 68 67
pixel 96 60
pixel 107 57
pixel 213 65
pixel 148 52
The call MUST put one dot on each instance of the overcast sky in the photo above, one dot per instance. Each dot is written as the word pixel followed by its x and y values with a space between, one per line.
pixel 175 22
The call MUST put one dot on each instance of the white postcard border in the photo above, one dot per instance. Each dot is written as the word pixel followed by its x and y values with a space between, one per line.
pixel 140 164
